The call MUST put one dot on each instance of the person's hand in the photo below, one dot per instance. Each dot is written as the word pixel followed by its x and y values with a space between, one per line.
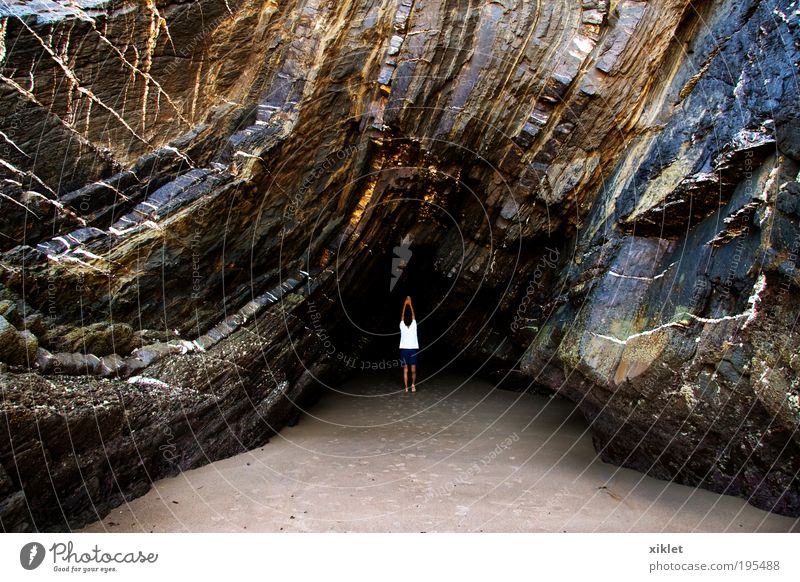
pixel 408 298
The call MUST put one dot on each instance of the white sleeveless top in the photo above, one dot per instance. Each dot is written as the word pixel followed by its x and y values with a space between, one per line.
pixel 408 335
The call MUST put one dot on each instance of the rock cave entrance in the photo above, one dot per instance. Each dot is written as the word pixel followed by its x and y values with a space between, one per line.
pixel 461 328
pixel 418 225
pixel 371 305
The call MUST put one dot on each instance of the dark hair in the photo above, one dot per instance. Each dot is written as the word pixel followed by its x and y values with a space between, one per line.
pixel 407 318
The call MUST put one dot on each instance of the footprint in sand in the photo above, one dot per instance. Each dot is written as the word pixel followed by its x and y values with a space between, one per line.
pixel 612 493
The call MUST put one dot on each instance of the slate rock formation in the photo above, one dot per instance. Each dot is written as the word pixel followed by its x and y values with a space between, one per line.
pixel 201 202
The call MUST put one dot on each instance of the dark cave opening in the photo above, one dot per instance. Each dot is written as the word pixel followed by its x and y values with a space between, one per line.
pixel 423 232
pixel 372 310
pixel 454 317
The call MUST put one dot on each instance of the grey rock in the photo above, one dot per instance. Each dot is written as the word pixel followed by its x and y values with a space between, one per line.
pixel 112 366
pixel 150 353
pixel 789 199
pixel 68 364
pixel 787 122
pixel 134 364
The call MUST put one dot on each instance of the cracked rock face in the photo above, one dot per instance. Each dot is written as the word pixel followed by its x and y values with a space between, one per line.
pixel 213 210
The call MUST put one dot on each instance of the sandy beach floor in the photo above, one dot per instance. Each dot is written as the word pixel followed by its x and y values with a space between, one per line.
pixel 454 456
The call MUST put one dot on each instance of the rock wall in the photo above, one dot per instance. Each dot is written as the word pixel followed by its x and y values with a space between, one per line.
pixel 202 205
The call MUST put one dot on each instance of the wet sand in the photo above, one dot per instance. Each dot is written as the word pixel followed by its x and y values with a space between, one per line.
pixel 454 456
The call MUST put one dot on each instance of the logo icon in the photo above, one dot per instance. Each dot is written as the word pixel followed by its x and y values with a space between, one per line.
pixel 31 555
pixel 402 255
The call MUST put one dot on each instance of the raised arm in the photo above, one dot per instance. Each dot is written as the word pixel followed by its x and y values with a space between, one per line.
pixel 403 313
pixel 408 300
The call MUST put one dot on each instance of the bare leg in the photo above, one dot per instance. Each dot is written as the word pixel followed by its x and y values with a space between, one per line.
pixel 413 377
pixel 405 377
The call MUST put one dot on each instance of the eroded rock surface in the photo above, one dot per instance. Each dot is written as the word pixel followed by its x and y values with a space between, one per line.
pixel 600 198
